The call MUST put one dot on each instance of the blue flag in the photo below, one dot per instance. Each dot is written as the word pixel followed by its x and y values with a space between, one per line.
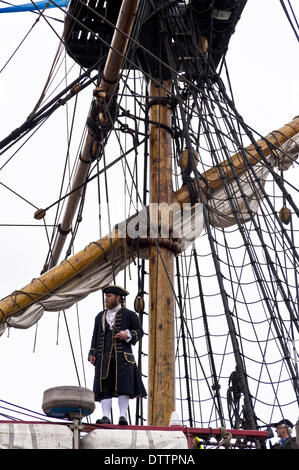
pixel 36 6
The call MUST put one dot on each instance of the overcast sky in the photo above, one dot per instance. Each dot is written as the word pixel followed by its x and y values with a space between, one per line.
pixel 263 64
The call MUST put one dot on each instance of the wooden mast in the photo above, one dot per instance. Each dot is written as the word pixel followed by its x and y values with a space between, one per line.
pixel 56 277
pixel 103 95
pixel 161 376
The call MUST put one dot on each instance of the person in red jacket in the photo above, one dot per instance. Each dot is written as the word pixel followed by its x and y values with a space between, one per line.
pixel 116 329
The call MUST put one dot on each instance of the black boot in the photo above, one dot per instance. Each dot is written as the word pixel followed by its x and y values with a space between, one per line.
pixel 104 420
pixel 123 421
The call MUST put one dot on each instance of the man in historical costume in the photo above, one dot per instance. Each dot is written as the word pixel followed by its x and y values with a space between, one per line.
pixel 116 329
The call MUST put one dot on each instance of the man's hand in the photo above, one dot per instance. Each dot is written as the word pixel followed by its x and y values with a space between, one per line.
pixel 122 335
pixel 92 359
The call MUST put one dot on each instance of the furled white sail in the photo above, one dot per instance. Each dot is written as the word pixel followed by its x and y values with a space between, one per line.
pixel 244 197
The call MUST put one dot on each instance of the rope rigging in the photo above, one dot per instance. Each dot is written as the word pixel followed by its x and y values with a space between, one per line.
pixel 236 286
pixel 292 21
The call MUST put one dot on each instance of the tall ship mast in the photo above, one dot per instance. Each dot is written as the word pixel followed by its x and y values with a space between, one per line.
pixel 197 213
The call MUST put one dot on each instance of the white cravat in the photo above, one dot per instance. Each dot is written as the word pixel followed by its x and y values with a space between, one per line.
pixel 110 315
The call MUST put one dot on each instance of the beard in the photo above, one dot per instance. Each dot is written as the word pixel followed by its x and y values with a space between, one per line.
pixel 111 303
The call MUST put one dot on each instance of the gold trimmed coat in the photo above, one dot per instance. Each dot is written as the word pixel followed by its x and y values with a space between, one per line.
pixel 127 378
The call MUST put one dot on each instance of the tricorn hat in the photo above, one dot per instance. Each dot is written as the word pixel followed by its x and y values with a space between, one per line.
pixel 283 421
pixel 115 290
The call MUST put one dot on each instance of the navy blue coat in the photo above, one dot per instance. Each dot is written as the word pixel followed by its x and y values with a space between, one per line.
pixel 127 379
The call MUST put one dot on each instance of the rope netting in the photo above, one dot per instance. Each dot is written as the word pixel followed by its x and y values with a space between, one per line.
pixel 236 286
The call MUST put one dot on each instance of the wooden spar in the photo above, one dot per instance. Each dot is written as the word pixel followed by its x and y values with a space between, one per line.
pixel 161 383
pixel 106 88
pixel 239 163
pixel 52 280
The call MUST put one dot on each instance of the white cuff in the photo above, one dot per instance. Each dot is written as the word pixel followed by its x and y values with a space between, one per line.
pixel 129 336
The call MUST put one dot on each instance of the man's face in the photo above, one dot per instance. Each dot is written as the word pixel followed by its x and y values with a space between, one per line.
pixel 112 300
pixel 281 431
